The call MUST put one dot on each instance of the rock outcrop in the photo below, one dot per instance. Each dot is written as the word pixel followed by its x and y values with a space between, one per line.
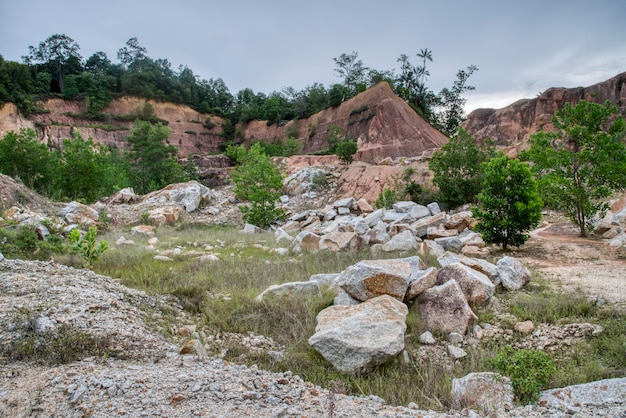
pixel 383 124
pixel 511 126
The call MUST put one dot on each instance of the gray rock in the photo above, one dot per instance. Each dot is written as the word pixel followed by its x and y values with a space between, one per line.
pixel 344 299
pixel 450 243
pixel 444 308
pixel 427 338
pixel 290 290
pixel 421 226
pixel 434 208
pixel 404 241
pixel 456 352
pixel 483 266
pixel 371 278
pixel 354 338
pixel 421 281
pixel 486 392
pixel 513 274
pixel 477 287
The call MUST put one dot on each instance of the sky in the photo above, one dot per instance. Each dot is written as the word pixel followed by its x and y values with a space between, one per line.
pixel 521 47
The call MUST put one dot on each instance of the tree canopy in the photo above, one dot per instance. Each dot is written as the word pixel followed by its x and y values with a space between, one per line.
pixel 583 162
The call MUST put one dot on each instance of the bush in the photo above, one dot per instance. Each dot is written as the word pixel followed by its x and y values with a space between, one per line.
pixel 87 246
pixel 386 199
pixel 529 371
pixel 345 150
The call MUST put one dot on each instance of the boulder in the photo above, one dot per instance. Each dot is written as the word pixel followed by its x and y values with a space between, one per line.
pixel 450 243
pixel 368 279
pixel 430 247
pixel 421 281
pixel 77 213
pixel 340 241
pixel 164 215
pixel 189 195
pixel 459 221
pixel 421 226
pixel 513 274
pixel 304 180
pixel 307 241
pixel 126 195
pixel 359 337
pixel 477 287
pixel 445 308
pixel 434 208
pixel 143 230
pixel 364 206
pixel 281 235
pixel 290 290
pixel 404 241
pixel 483 266
pixel 486 392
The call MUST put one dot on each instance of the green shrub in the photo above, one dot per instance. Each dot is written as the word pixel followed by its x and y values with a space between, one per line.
pixel 386 199
pixel 87 246
pixel 345 150
pixel 529 371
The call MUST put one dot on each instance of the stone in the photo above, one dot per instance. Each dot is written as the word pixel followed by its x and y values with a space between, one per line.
pixel 421 226
pixel 368 279
pixel 301 216
pixel 450 243
pixel 280 235
pixel 126 195
pixel 307 241
pixel 290 290
pixel 439 232
pixel 340 241
pixel 455 338
pixel 513 274
pixel 344 299
pixel 476 287
pixel 459 221
pixel 364 206
pixel 486 392
pixel 427 338
pixel 164 215
pixel 251 229
pixel 359 337
pixel 404 206
pixel 193 347
pixel 347 202
pixel 404 241
pixel 434 208
pixel 77 213
pixel 325 280
pixel 421 281
pixel 456 352
pixel 525 327
pixel 430 247
pixel 143 230
pixel 304 180
pixel 190 195
pixel 483 266
pixel 445 308
pixel 124 241
pixel 374 217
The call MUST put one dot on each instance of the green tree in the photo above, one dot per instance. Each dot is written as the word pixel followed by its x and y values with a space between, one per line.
pixel 457 169
pixel 352 70
pixel 58 52
pixel 451 102
pixel 509 203
pixel 583 162
pixel 86 170
pixel 23 157
pixel 258 181
pixel 346 149
pixel 153 163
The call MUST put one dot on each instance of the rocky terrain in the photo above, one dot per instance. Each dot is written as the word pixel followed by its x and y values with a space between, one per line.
pixel 511 126
pixel 159 368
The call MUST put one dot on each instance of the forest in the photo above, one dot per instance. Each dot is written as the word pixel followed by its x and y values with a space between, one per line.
pixel 56 68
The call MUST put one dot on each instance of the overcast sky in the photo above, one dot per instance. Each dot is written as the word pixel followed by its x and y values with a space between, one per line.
pixel 521 47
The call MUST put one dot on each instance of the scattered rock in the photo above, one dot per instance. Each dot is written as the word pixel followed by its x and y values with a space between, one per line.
pixel 485 392
pixel 444 308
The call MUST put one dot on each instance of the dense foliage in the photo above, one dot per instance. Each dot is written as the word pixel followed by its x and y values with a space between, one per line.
pixel 457 169
pixel 258 181
pixel 509 203
pixel 83 170
pixel 56 68
pixel 583 162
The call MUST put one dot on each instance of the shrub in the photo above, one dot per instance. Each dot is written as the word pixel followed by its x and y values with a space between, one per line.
pixel 345 150
pixel 386 199
pixel 529 371
pixel 87 246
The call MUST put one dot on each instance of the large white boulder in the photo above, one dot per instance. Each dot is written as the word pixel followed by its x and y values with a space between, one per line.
pixel 358 337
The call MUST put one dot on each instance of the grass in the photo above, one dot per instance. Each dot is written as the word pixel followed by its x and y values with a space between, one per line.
pixel 220 295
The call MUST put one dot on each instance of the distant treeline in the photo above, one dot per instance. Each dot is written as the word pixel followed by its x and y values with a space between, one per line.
pixel 55 68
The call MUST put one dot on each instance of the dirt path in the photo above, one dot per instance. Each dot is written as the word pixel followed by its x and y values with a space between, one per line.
pixel 588 265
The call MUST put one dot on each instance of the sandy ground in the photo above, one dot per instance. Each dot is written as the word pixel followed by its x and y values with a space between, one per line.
pixel 588 265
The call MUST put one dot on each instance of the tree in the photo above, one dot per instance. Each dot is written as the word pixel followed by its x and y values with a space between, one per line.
pixel 457 169
pixel 23 157
pixel 509 203
pixel 153 164
pixel 58 51
pixel 132 54
pixel 583 162
pixel 258 181
pixel 351 69
pixel 86 170
pixel 451 113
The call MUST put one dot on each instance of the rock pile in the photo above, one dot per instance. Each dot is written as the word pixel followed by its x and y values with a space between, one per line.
pixel 365 327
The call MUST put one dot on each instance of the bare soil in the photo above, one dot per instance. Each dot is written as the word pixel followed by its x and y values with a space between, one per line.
pixel 586 265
